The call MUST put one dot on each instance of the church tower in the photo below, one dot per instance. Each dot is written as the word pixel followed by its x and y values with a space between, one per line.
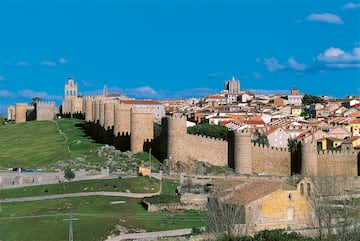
pixel 71 89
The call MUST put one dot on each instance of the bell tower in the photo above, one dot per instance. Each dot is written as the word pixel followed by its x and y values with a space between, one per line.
pixel 71 89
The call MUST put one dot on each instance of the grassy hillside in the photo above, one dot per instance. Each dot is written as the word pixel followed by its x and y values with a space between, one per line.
pixel 40 144
pixel 97 216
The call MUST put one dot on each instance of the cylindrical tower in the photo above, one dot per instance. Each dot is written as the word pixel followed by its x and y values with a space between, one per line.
pixel 96 109
pixel 101 113
pixel 176 138
pixel 121 119
pixel 309 158
pixel 242 152
pixel 88 109
pixel 20 112
pixel 109 115
pixel 142 128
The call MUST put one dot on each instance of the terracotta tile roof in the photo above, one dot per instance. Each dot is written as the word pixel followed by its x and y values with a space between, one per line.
pixel 257 189
pixel 354 115
pixel 271 130
pixel 139 102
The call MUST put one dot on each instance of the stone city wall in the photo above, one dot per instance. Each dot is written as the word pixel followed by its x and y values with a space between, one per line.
pixel 207 149
pixel 46 110
pixel 270 160
pixel 341 163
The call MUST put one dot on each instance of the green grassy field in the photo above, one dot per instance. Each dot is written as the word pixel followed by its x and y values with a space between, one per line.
pixel 38 144
pixel 97 217
pixel 44 220
pixel 134 185
pixel 52 145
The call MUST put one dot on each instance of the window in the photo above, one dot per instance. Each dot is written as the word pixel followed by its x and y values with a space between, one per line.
pixel 302 188
pixel 290 196
pixel 308 189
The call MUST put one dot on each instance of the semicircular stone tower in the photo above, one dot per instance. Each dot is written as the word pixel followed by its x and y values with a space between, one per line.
pixel 242 152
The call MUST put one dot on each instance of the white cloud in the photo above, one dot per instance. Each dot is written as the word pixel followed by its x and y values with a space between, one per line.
pixel 42 94
pixel 333 54
pixel 293 64
pixel 257 75
pixel 140 92
pixel 273 64
pixel 48 63
pixel 6 94
pixel 325 17
pixel 268 92
pixel 351 5
pixel 216 75
pixel 86 83
pixel 344 65
pixel 1 78
pixel 22 63
pixel 62 61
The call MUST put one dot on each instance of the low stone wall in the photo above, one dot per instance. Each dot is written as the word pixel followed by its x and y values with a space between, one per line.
pixel 19 179
pixel 187 202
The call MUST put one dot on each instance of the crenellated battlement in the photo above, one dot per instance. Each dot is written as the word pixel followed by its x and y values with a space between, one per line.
pixel 141 110
pixel 243 131
pixel 45 103
pixel 208 138
pixel 267 148
pixel 22 104
pixel 337 152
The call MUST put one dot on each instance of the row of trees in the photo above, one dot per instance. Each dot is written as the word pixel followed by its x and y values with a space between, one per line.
pixel 216 131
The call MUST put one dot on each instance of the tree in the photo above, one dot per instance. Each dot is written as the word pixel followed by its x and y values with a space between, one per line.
pixel 259 138
pixel 34 100
pixel 216 131
pixel 311 99
pixel 222 218
pixel 336 210
pixel 69 174
pixel 2 120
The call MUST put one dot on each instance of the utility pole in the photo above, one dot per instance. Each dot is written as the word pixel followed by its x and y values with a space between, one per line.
pixel 70 219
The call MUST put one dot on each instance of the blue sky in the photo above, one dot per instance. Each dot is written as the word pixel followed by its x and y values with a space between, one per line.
pixel 157 49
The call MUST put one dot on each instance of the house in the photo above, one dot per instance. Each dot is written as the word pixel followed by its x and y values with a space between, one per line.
pixel 355 141
pixel 296 110
pixel 295 98
pixel 277 136
pixel 268 204
pixel 329 143
pixel 339 132
pixel 323 113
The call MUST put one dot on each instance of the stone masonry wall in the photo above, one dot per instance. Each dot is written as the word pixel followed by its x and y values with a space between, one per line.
pixel 337 163
pixel 45 110
pixel 207 149
pixel 270 160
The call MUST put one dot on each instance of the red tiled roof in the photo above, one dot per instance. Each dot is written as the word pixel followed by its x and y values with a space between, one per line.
pixel 257 189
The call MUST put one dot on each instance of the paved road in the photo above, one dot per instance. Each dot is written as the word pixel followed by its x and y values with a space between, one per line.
pixel 148 235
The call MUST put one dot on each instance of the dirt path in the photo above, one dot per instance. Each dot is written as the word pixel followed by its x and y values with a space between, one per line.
pixel 82 194
pixel 63 134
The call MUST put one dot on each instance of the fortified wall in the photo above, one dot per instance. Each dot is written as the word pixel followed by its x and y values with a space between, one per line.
pixel 45 110
pixel 329 163
pixel 185 147
pixel 127 128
